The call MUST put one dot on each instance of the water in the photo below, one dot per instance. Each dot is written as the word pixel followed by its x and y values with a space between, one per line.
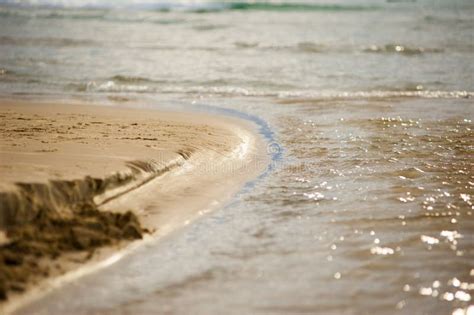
pixel 369 208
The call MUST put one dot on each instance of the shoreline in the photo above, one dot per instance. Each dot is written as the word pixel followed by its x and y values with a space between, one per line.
pixel 168 168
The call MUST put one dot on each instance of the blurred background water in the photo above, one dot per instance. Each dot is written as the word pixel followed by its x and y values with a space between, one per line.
pixel 370 208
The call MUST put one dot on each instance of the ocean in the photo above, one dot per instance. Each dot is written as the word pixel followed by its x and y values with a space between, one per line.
pixel 367 107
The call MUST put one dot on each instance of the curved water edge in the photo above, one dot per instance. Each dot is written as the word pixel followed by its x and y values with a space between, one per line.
pixel 274 148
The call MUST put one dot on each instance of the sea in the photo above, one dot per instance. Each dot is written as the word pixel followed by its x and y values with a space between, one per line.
pixel 366 107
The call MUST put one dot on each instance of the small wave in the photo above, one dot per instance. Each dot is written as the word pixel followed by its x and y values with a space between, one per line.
pixel 111 86
pixel 8 76
pixel 127 86
pixel 291 6
pixel 121 83
pixel 245 45
pixel 209 27
pixel 300 47
pixel 50 13
pixel 401 49
pixel 44 41
pixel 456 20
pixel 130 79
pixel 313 47
pixel 309 96
pixel 222 87
pixel 310 47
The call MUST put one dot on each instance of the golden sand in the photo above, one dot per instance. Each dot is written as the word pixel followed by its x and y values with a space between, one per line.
pixel 84 167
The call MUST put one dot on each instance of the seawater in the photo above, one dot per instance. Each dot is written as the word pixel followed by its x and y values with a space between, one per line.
pixel 368 208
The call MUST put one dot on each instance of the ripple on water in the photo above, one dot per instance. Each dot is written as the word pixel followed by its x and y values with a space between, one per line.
pixel 404 184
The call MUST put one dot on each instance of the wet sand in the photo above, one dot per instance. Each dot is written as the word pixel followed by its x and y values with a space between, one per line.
pixel 80 182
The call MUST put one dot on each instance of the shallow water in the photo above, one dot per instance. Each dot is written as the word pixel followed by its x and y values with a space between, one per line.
pixel 369 207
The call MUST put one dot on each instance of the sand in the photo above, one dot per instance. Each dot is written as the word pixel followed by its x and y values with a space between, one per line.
pixel 79 183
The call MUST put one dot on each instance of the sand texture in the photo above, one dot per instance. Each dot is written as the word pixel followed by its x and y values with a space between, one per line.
pixel 77 178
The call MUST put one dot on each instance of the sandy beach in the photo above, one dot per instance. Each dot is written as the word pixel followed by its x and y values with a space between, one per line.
pixel 80 182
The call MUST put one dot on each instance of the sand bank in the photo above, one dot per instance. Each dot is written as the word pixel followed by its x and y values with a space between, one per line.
pixel 85 180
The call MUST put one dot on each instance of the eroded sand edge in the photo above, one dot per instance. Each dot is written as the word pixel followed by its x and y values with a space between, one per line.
pixel 167 168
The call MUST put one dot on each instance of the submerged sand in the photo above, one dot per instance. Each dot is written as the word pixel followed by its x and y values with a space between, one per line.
pixel 77 178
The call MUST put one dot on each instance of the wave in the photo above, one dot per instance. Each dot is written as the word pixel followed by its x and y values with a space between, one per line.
pixel 45 41
pixel 197 7
pixel 93 15
pixel 377 94
pixel 300 47
pixel 316 48
pixel 401 49
pixel 130 79
pixel 112 86
pixel 124 84
pixel 290 6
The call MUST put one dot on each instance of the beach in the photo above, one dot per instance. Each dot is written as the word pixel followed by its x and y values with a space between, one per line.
pixel 106 176
pixel 145 122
